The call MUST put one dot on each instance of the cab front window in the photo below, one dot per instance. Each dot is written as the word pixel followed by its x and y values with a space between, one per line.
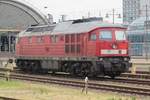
pixel 120 35
pixel 105 35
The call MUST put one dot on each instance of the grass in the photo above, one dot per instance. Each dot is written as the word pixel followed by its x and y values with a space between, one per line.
pixel 30 91
pixel 11 84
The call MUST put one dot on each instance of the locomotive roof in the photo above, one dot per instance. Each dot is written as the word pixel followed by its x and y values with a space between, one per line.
pixel 68 27
pixel 71 27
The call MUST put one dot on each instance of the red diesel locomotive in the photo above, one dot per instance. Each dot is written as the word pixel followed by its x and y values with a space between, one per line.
pixel 80 47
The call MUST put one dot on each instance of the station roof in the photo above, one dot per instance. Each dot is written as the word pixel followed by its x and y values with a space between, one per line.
pixel 138 26
pixel 19 15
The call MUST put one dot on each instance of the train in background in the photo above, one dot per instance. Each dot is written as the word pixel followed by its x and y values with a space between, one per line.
pixel 79 47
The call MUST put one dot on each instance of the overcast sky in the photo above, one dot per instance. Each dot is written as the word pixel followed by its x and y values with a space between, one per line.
pixel 77 8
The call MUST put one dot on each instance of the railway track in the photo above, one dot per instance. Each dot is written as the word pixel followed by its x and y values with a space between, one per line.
pixel 140 72
pixel 79 83
pixel 6 98
pixel 128 78
pixel 128 81
pixel 140 76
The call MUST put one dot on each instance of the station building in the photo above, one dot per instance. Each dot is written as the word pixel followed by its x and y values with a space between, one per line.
pixel 133 9
pixel 139 37
pixel 16 16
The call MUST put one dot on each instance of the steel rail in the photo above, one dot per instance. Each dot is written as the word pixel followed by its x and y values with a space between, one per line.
pixel 142 76
pixel 92 85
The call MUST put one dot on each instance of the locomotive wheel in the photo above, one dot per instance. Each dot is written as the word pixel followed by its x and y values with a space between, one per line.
pixel 118 73
pixel 43 71
pixel 112 75
pixel 72 70
pixel 77 70
pixel 20 65
pixel 53 72
pixel 30 67
pixel 26 66
pixel 85 69
pixel 35 68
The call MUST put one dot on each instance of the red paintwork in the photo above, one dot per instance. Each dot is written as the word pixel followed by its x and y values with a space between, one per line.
pixel 88 48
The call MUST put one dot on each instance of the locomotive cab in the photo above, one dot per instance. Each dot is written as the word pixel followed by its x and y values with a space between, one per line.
pixel 112 43
pixel 112 51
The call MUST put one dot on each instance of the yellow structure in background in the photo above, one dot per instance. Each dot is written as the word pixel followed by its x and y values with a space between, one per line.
pixel 140 65
pixel 133 70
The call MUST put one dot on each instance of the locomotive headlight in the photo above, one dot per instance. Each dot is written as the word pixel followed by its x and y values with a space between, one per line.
pixel 101 59
pixel 114 46
pixel 126 59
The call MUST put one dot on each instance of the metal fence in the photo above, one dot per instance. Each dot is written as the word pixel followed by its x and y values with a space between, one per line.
pixel 139 50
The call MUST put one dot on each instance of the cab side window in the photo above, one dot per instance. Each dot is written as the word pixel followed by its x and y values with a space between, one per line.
pixel 29 39
pixel 92 37
pixel 54 38
pixel 18 39
pixel 61 38
pixel 40 39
